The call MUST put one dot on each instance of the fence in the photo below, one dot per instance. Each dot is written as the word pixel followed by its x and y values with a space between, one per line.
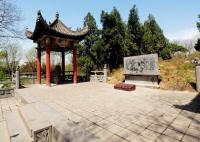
pixel 99 76
pixel 69 75
pixel 18 79
pixel 6 92
pixel 6 87
pixel 28 78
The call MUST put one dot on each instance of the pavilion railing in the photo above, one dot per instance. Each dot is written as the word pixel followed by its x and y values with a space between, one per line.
pixel 69 75
pixel 29 78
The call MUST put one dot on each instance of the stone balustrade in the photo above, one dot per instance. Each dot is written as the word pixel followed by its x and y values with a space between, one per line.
pixel 99 76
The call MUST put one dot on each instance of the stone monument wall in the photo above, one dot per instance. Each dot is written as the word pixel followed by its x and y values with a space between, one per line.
pixel 142 70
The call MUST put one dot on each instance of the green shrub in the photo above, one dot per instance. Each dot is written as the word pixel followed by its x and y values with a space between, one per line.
pixel 6 85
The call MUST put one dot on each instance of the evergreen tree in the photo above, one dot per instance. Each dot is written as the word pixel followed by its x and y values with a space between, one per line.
pixel 135 31
pixel 198 24
pixel 153 38
pixel 171 49
pixel 89 51
pixel 130 48
pixel 113 36
pixel 197 45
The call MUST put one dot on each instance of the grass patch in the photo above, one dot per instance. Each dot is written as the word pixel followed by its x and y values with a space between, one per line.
pixel 116 76
pixel 177 73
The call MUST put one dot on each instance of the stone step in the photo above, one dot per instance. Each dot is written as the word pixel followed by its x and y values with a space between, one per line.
pixel 25 98
pixel 40 117
pixel 38 127
pixel 62 128
pixel 16 129
pixel 3 132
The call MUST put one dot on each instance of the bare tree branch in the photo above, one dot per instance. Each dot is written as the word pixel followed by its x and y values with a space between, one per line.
pixel 12 55
pixel 10 15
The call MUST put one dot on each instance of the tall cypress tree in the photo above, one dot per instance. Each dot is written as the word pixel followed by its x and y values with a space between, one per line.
pixel 87 57
pixel 198 24
pixel 153 38
pixel 197 45
pixel 113 36
pixel 135 30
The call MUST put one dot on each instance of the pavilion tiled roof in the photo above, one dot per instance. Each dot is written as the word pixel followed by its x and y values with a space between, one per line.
pixel 57 29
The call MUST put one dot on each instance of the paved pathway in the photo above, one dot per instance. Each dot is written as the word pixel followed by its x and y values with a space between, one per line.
pixel 6 105
pixel 144 115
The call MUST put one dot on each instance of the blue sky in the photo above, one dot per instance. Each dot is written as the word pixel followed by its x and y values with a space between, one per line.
pixel 177 18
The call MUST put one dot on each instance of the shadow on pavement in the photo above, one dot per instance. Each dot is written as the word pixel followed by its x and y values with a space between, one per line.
pixel 193 106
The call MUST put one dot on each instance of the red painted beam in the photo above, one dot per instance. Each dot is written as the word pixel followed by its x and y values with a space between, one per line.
pixel 48 67
pixel 75 65
pixel 38 66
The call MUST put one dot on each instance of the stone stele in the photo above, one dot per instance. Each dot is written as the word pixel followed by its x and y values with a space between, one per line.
pixel 141 65
pixel 142 70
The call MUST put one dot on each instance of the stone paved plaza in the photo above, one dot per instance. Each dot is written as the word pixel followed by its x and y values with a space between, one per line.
pixel 144 115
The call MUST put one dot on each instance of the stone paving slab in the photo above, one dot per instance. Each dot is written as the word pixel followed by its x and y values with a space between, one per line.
pixel 6 105
pixel 114 115
pixel 3 132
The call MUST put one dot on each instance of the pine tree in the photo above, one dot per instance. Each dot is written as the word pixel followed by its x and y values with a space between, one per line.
pixel 113 36
pixel 153 38
pixel 135 31
pixel 198 24
pixel 88 58
pixel 197 45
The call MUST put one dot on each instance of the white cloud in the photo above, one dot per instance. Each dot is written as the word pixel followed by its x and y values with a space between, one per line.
pixel 183 34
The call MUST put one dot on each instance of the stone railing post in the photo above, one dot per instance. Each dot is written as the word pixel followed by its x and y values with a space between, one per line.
pixel 13 77
pixel 198 78
pixel 17 79
pixel 95 76
pixel 105 73
pixel 196 61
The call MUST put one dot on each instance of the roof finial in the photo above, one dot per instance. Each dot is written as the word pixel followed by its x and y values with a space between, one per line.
pixel 57 15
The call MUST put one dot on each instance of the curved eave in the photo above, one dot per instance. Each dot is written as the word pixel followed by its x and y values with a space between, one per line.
pixel 29 34
pixel 61 29
pixel 78 35
pixel 56 29
pixel 40 29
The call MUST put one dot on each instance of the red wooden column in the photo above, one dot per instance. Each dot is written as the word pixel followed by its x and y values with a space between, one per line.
pixel 75 65
pixel 48 67
pixel 63 65
pixel 38 66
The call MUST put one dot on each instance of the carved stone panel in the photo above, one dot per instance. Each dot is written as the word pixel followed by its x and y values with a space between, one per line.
pixel 43 136
pixel 141 65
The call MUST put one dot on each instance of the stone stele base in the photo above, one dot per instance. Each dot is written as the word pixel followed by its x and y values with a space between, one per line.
pixel 141 80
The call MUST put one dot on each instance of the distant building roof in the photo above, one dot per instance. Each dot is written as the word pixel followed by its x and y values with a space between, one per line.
pixel 55 29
